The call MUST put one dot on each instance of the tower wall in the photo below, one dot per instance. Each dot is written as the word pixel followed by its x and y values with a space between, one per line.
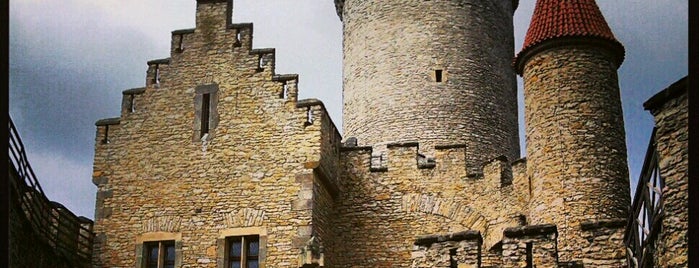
pixel 393 51
pixel 576 152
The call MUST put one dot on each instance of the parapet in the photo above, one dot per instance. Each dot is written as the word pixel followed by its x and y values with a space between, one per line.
pixel 446 159
pixel 463 248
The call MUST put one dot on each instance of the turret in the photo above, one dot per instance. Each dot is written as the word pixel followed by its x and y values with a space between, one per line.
pixel 434 72
pixel 576 152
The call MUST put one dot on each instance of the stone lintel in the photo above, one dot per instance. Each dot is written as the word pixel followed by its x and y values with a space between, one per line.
pixel 138 90
pixel 108 121
pixel 183 31
pixel 458 236
pixel 159 61
pixel 403 144
pixel 309 102
pixel 597 224
pixel 543 229
pixel 285 77
pixel 262 51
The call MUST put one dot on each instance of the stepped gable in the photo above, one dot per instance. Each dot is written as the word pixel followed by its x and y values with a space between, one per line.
pixel 556 23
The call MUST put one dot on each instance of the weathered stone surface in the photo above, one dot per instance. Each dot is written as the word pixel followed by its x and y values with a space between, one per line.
pixel 244 175
pixel 576 151
pixel 392 50
pixel 427 182
pixel 670 111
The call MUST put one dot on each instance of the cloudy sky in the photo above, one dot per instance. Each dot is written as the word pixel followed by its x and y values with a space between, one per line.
pixel 70 60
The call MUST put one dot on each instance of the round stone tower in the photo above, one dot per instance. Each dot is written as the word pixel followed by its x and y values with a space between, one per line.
pixel 436 72
pixel 576 151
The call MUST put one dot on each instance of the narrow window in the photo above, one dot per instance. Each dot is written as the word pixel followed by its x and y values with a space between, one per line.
pixel 530 256
pixel 438 75
pixel 160 254
pixel 243 251
pixel 261 61
pixel 237 39
pixel 180 47
pixel 156 77
pixel 105 140
pixel 205 110
pixel 309 116
pixel 285 88
pixel 132 103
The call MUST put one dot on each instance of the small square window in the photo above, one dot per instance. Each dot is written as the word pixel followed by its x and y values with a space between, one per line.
pixel 243 251
pixel 159 254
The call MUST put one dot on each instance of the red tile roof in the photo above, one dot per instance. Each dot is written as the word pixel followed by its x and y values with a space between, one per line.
pixel 569 19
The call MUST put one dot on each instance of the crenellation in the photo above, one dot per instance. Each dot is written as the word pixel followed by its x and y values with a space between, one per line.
pixel 213 15
pixel 498 172
pixel 265 59
pixel 217 148
pixel 155 71
pixel 179 41
pixel 530 246
pixel 129 103
pixel 243 35
pixel 289 87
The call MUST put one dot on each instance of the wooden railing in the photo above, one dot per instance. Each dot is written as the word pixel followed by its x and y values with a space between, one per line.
pixel 646 212
pixel 70 236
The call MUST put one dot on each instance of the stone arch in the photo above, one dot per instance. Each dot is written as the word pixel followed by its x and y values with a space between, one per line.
pixel 454 210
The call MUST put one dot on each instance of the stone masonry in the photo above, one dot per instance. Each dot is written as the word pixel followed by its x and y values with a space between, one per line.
pixel 394 52
pixel 576 151
pixel 217 145
pixel 670 111
pixel 259 170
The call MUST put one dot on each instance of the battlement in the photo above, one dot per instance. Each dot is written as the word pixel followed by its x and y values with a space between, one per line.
pixel 524 246
pixel 450 159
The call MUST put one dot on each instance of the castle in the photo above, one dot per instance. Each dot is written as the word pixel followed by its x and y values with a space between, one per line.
pixel 216 163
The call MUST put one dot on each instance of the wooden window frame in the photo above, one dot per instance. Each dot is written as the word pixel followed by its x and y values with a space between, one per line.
pixel 162 253
pixel 244 255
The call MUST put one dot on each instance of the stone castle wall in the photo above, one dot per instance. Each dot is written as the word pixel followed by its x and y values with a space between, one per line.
pixel 392 51
pixel 386 204
pixel 254 174
pixel 671 122
pixel 576 151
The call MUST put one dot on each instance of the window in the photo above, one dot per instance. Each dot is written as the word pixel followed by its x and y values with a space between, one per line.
pixel 205 110
pixel 159 254
pixel 132 103
pixel 243 251
pixel 438 75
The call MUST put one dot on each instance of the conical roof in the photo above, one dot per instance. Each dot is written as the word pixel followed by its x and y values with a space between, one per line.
pixel 565 22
